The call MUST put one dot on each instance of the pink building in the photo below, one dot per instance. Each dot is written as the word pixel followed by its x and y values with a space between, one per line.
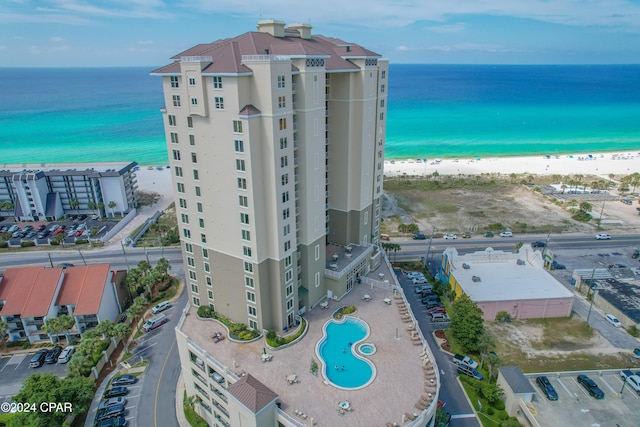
pixel 505 281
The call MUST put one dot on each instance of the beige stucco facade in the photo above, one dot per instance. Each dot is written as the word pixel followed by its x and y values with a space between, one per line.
pixel 276 143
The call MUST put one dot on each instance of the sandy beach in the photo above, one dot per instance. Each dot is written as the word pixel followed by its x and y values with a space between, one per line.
pixel 601 164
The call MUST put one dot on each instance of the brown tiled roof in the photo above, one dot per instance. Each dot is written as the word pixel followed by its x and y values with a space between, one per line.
pixel 252 393
pixel 249 110
pixel 83 287
pixel 227 53
pixel 29 291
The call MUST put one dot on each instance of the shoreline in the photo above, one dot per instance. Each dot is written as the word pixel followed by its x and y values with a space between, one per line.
pixel 600 164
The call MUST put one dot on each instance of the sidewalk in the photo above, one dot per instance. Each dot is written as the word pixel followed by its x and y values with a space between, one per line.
pixel 182 420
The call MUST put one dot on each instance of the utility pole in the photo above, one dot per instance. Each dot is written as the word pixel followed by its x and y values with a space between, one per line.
pixel 81 256
pixel 50 260
pixel 125 256
pixel 600 219
pixel 588 293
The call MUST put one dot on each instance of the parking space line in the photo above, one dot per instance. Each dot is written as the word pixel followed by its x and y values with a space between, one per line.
pixel 566 389
pixel 607 384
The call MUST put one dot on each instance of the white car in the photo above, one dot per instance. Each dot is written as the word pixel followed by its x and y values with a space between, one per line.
pixel 419 281
pixel 66 354
pixel 506 234
pixel 414 274
pixel 603 236
pixel 450 236
pixel 613 320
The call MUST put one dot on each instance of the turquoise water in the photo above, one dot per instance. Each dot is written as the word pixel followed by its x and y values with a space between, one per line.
pixel 50 115
pixel 337 350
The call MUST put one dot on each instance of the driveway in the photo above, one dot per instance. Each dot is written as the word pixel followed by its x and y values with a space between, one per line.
pixel 14 370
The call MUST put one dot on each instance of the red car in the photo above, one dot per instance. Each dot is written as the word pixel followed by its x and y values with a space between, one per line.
pixel 58 231
pixel 437 310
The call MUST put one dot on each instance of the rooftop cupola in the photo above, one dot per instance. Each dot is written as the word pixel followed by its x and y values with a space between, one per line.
pixel 271 26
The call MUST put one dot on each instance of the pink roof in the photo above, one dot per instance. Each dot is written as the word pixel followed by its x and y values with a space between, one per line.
pixel 227 53
pixel 29 291
pixel 83 287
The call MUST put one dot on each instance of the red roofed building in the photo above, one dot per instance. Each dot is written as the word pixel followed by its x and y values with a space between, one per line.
pixel 30 295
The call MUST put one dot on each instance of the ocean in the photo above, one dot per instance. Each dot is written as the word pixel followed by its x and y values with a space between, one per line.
pixel 50 115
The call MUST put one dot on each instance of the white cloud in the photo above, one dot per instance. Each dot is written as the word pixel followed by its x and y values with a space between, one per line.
pixel 458 27
pixel 471 47
pixel 56 39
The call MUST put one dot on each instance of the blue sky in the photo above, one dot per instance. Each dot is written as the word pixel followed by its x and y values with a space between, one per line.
pixel 52 33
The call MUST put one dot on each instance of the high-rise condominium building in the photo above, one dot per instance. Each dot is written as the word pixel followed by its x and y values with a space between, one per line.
pixel 276 143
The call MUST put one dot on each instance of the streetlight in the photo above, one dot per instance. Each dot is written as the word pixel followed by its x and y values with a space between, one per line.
pixel 81 256
pixel 588 292
pixel 125 256
pixel 600 219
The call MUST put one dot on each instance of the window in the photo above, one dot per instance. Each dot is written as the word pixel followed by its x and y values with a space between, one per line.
pixel 242 183
pixel 192 81
pixel 185 218
pixel 381 116
pixel 382 103
pixel 283 123
pixel 217 82
pixel 203 238
pixel 240 165
pixel 194 288
pixel 199 207
pixel 244 218
pixel 286 229
pixel 317 280
pixel 192 140
pixel 246 250
pixel 283 143
pixel 251 296
pixel 178 171
pixel 188 247
pixel 176 101
pixel 219 103
pixel 205 253
pixel 180 187
pixel 288 275
pixel 198 191
pixel 172 120
pixel 287 261
pixel 207 267
pixel 317 252
pixel 196 176
pixel 248 282
pixel 194 101
pixel 209 282
pixel 290 304
pixel 285 179
pixel 194 158
pixel 175 81
pixel 191 262
pixel 237 126
pixel 251 311
pixel 381 88
pixel 190 121
pixel 196 301
pixel 284 161
pixel 192 275
pixel 285 197
pixel 183 203
pixel 246 235
pixel 239 145
pixel 201 222
pixel 281 102
pixel 210 294
pixel 287 245
pixel 281 82
pixel 243 201
pixel 248 267
pixel 285 213
pixel 176 154
pixel 383 74
pixel 289 290
pixel 186 233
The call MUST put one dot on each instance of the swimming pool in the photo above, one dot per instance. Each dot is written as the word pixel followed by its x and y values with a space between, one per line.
pixel 342 366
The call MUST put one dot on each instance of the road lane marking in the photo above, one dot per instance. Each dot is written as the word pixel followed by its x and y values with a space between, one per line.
pixel 164 365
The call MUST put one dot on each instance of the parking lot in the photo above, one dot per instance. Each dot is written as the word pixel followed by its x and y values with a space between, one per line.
pixel 14 369
pixel 575 407
pixel 40 232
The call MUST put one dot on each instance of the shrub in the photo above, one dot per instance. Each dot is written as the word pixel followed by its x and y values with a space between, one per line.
pixel 54 242
pixel 633 331
pixel 4 244
pixel 205 311
pixel 82 242
pixel 503 316
pixel 271 335
pixel 27 244
pixel 499 405
pixel 164 286
pixel 490 411
pixel 581 216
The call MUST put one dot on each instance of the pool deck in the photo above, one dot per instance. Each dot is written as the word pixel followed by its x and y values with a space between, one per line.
pixel 399 381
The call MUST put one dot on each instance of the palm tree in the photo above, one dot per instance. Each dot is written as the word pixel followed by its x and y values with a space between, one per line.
pixel 100 207
pixel 4 328
pixel 74 204
pixel 121 332
pixel 112 206
pixel 163 266
pixel 92 206
pixel 585 207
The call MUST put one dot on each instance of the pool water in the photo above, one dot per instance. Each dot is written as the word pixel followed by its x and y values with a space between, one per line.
pixel 337 350
pixel 367 349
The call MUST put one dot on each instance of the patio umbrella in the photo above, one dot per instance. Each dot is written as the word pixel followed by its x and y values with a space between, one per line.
pixel 264 350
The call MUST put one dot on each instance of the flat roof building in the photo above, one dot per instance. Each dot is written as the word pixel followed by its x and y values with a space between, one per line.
pixel 505 281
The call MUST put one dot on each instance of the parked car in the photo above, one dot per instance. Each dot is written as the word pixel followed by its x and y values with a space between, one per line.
pixel 419 236
pixel 547 388
pixel 124 380
pixel 634 383
pixel 419 280
pixel 613 320
pixel 603 236
pixel 154 322
pixel 610 266
pixel 591 386
pixel 466 236
pixel 41 227
pixel 52 355
pixel 555 265
pixel 437 310
pixel 626 373
pixel 538 244
pixel 636 254
pixel 66 354
pixel 414 274
pixel 110 412
pixel 439 317
pixel 506 234
pixel 450 236
pixel 112 401
pixel 471 372
pixel 115 391
pixel 28 228
pixel 37 359
pixel 432 304
pixel 64 265
pixel 113 422
pixel 627 201
pixel 162 306
pixel 420 289
pixel 488 234
pixel 58 231
pixel 462 360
